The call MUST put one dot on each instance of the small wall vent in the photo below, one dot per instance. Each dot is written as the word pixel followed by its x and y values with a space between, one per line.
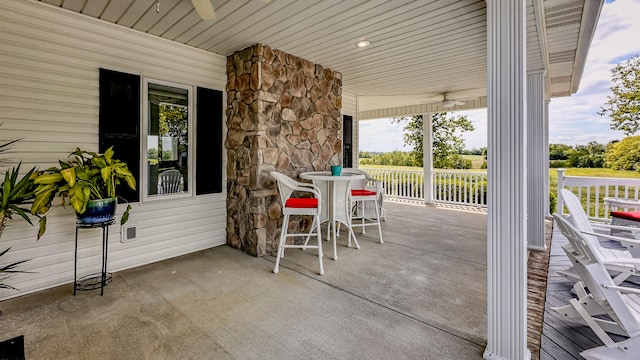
pixel 129 233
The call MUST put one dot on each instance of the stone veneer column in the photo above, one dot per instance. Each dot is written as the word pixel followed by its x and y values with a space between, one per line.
pixel 283 114
pixel 507 181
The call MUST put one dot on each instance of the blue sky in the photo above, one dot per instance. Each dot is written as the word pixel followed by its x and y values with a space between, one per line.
pixel 572 120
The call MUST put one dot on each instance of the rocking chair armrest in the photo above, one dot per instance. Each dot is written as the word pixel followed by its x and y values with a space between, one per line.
pixel 624 241
pixel 622 289
pixel 604 226
pixel 622 261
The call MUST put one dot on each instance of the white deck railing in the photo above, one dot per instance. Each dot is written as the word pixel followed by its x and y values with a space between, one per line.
pixel 593 190
pixel 449 186
pixel 470 188
pixel 404 184
pixel 460 187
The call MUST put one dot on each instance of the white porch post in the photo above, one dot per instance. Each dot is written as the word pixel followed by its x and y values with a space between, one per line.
pixel 547 204
pixel 537 165
pixel 427 157
pixel 507 182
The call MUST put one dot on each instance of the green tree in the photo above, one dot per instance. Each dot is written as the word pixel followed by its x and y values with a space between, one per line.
pixel 174 121
pixel 447 139
pixel 624 155
pixel 586 156
pixel 623 105
pixel 558 151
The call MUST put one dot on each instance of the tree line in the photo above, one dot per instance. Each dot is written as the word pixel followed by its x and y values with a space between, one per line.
pixel 617 155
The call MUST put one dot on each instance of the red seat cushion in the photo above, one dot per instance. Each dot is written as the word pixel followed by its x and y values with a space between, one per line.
pixel 301 203
pixel 629 215
pixel 362 193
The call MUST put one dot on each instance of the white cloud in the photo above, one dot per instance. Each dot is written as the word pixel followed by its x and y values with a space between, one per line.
pixel 572 120
pixel 381 135
pixel 575 120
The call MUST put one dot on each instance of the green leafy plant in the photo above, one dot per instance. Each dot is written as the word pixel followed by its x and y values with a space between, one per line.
pixel 15 193
pixel 85 176
pixel 9 270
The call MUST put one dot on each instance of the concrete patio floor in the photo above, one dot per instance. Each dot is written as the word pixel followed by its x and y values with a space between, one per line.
pixel 420 295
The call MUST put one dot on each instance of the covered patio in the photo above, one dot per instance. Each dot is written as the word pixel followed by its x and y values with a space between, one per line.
pixel 283 77
pixel 420 295
pixel 417 296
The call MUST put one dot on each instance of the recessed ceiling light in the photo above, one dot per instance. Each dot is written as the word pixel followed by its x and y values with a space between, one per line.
pixel 362 43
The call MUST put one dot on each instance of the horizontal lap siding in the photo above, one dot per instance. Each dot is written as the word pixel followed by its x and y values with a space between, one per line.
pixel 49 62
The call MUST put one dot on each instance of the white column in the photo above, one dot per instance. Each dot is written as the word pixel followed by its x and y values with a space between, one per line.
pixel 547 204
pixel 537 164
pixel 427 157
pixel 507 182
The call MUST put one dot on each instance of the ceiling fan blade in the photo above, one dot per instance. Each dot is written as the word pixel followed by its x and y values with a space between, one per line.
pixel 459 102
pixel 204 9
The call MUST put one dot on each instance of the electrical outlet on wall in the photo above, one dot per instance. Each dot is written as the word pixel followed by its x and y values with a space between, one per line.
pixel 129 233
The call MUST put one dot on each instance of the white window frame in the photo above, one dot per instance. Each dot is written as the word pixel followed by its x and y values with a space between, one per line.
pixel 144 176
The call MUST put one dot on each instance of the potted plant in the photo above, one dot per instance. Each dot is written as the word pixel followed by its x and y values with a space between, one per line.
pixel 88 180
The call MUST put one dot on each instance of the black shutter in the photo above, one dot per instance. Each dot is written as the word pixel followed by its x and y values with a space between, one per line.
pixel 120 122
pixel 347 141
pixel 209 141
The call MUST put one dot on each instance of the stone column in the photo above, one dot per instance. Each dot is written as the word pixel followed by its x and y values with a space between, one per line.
pixel 538 165
pixel 507 182
pixel 283 114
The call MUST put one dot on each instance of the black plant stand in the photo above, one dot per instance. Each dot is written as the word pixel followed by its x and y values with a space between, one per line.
pixel 93 281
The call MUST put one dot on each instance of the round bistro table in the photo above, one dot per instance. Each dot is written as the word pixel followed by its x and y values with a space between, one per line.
pixel 335 202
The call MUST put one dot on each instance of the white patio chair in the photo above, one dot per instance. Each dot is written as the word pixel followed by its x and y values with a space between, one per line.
pixel 608 307
pixel 170 182
pixel 287 187
pixel 620 272
pixel 591 300
pixel 366 199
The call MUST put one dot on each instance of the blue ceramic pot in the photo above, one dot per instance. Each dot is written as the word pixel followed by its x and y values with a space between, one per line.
pixel 98 211
pixel 336 170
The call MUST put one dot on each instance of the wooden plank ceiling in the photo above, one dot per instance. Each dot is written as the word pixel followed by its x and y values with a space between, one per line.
pixel 419 49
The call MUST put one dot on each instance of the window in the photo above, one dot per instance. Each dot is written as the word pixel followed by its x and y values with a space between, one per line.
pixel 167 155
pixel 123 95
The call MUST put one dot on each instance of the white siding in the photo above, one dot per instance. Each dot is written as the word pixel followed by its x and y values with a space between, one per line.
pixel 350 107
pixel 49 61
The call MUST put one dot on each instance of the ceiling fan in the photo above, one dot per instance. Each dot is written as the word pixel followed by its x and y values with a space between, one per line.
pixel 448 101
pixel 204 8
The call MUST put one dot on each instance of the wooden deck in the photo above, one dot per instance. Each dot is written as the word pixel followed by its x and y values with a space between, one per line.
pixel 562 338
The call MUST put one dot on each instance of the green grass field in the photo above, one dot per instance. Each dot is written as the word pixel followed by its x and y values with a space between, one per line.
pixel 476 160
pixel 553 173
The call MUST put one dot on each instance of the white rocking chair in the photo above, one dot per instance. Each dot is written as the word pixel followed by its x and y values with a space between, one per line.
pixel 620 272
pixel 608 307
pixel 170 182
